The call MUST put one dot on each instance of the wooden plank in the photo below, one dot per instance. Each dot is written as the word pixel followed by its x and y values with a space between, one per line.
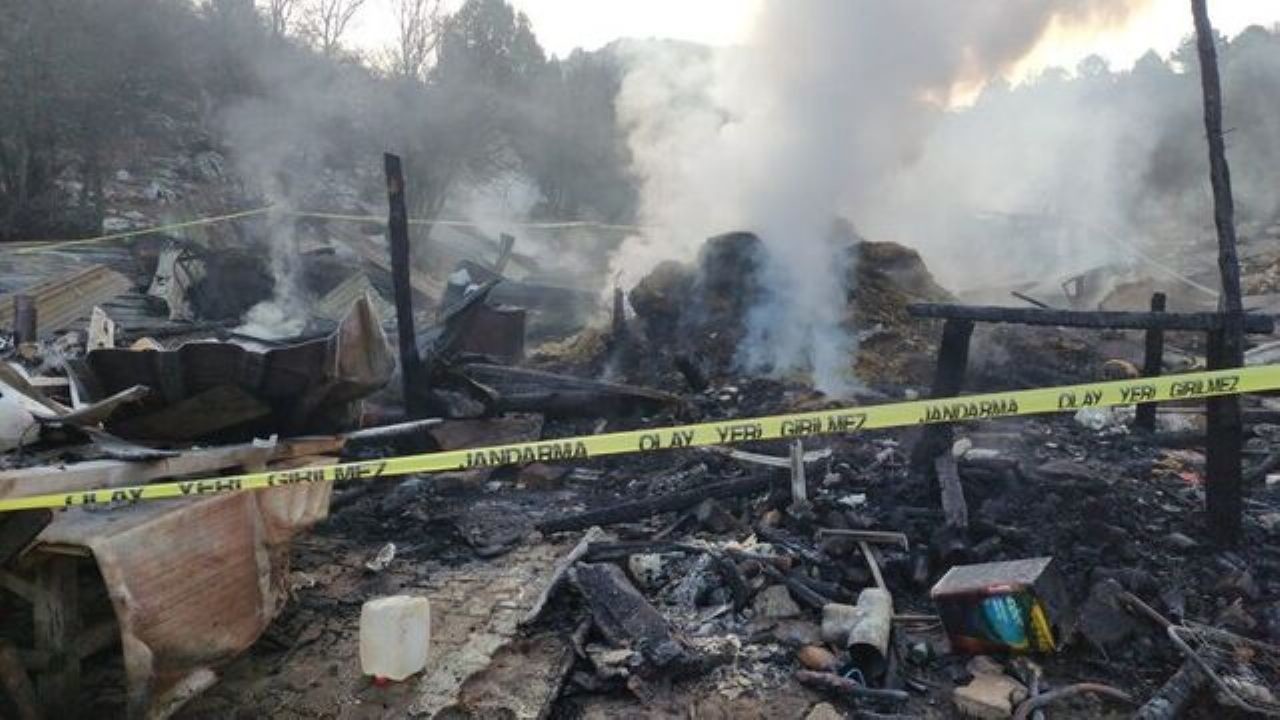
pixel 57 622
pixel 1098 319
pixel 25 482
pixel 69 297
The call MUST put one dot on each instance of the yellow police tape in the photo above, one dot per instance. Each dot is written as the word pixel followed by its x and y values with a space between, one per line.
pixel 34 246
pixel 845 420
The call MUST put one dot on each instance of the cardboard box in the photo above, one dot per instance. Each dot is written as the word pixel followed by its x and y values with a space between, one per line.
pixel 1012 606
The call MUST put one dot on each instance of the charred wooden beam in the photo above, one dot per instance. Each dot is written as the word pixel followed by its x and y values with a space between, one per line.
pixel 411 375
pixel 623 615
pixel 1100 319
pixel 671 502
pixel 948 381
pixel 1152 365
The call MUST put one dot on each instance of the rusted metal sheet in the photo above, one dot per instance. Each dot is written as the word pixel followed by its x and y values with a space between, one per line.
pixel 67 298
pixel 192 583
pixel 308 386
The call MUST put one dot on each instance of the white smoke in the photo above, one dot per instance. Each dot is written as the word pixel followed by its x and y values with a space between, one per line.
pixel 810 119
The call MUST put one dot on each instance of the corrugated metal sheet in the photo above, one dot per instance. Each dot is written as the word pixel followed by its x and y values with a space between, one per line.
pixel 67 298
pixel 337 303
pixel 192 583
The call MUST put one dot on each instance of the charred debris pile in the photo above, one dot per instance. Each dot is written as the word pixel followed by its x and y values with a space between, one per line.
pixel 993 568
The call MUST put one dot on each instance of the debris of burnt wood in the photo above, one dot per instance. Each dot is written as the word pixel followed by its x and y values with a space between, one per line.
pixel 662 579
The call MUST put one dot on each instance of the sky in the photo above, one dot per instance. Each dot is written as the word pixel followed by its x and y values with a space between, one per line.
pixel 562 25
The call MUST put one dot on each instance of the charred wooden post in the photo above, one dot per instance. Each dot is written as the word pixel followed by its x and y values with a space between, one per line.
pixel 1152 365
pixel 1223 487
pixel 619 313
pixel 398 238
pixel 24 319
pixel 948 380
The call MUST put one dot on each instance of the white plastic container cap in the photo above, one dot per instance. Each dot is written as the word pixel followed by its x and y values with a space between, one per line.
pixel 395 634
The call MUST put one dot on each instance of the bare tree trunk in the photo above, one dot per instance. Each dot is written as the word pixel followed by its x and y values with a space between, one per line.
pixel 1224 492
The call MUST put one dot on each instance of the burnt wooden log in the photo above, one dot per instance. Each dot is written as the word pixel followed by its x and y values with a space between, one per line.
pixel 411 375
pixel 1097 319
pixel 1152 365
pixel 671 502
pixel 623 615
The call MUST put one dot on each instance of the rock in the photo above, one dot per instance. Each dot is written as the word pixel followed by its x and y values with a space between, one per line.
pixel 984 665
pixel 824 711
pixel 1178 541
pixel 775 603
pixel 649 570
pixel 795 633
pixel 818 658
pixel 379 562
pixel 1103 620
pixel 989 696
pixel 540 476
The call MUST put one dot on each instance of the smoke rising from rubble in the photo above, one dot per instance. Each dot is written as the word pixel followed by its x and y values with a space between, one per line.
pixel 811 119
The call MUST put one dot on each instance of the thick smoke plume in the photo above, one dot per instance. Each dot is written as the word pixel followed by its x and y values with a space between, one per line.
pixel 812 118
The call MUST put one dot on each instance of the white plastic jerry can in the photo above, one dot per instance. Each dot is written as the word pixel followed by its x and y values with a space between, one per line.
pixel 395 633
